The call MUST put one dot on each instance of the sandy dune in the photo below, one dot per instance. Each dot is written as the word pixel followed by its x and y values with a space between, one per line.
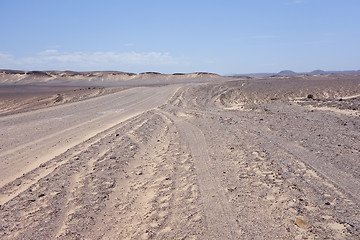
pixel 273 158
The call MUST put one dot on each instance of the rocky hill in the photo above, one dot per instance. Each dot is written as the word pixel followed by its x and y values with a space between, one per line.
pixel 107 78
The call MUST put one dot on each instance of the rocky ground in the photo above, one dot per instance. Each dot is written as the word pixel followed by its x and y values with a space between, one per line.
pixel 249 159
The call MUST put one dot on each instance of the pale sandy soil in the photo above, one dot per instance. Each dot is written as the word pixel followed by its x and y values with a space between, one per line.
pixel 17 99
pixel 247 159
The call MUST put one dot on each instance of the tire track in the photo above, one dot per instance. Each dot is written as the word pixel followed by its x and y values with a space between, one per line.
pixel 337 177
pixel 19 156
pixel 219 217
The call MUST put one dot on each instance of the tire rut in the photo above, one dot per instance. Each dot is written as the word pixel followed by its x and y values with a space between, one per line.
pixel 219 216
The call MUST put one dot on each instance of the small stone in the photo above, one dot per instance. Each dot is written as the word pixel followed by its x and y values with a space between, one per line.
pixel 302 224
pixel 112 157
pixel 41 195
pixel 327 203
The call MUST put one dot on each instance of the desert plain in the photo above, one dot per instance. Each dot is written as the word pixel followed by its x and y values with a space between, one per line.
pixel 183 156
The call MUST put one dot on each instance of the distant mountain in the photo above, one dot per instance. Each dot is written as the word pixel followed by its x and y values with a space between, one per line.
pixel 318 72
pixel 341 72
pixel 287 73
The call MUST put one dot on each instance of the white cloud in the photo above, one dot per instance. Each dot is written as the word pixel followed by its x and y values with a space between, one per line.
pixel 54 59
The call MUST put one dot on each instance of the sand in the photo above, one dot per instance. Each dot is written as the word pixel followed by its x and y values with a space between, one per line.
pixel 239 159
pixel 23 98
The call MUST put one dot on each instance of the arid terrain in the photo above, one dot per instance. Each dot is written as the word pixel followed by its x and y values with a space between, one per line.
pixel 196 158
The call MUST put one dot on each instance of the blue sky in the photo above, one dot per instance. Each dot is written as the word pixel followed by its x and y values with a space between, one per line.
pixel 180 36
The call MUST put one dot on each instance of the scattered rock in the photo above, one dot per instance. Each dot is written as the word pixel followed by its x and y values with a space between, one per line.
pixel 58 99
pixel 41 195
pixel 302 224
pixel 112 157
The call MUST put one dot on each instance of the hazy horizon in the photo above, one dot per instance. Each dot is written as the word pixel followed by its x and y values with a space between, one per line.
pixel 172 73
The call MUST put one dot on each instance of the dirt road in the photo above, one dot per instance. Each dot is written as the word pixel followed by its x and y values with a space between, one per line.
pixel 247 159
pixel 32 138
